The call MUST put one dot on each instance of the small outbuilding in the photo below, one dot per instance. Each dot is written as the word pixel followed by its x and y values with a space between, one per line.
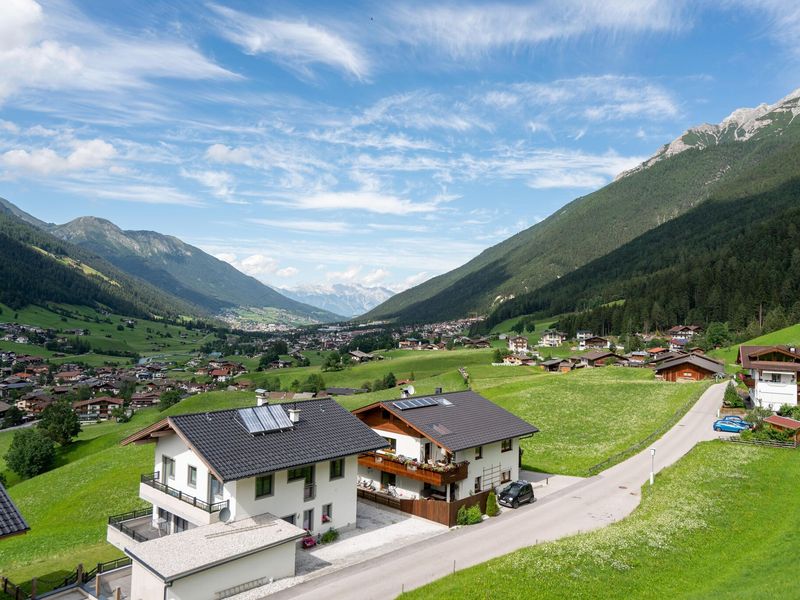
pixel 689 367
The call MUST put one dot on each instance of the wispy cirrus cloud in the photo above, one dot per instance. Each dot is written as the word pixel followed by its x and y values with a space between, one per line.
pixel 298 45
pixel 310 226
pixel 464 31
pixel 368 201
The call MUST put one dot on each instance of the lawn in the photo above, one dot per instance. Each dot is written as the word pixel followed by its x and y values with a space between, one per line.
pixel 721 523
pixel 789 336
pixel 584 416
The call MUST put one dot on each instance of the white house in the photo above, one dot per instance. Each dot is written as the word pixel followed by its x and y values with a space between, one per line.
pixel 552 338
pixel 446 447
pixel 281 469
pixel 684 332
pixel 773 371
pixel 518 344
pixel 594 342
pixel 583 334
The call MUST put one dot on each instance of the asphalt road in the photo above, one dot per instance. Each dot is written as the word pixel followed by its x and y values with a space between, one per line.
pixel 589 504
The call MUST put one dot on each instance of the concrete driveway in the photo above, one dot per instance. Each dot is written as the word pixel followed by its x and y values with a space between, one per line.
pixel 588 504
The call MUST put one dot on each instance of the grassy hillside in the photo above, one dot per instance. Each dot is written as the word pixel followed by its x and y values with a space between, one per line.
pixel 146 337
pixel 586 229
pixel 718 524
pixel 789 336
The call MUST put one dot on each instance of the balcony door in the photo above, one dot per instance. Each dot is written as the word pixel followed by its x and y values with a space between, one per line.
pixel 214 489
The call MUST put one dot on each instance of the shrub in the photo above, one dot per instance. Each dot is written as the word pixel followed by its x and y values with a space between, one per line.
pixel 474 515
pixel 731 398
pixel 492 509
pixel 461 516
pixel 31 453
pixel 329 536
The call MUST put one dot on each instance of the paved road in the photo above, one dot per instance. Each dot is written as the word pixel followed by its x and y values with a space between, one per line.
pixel 590 504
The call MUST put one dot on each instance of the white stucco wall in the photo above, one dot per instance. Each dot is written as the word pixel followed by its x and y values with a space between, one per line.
pixel 287 498
pixel 771 394
pixel 276 563
pixel 485 466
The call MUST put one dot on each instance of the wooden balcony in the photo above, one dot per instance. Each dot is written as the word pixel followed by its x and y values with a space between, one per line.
pixel 435 475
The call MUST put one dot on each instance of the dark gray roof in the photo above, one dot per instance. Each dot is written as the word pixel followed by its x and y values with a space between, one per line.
pixel 11 521
pixel 325 431
pixel 469 420
pixel 693 359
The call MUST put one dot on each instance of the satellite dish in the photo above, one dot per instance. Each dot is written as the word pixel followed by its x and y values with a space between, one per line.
pixel 225 515
pixel 410 390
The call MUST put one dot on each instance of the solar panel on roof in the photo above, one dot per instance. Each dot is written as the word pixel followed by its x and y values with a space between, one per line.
pixel 265 418
pixel 414 403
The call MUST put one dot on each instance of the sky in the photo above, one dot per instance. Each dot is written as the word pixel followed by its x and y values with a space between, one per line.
pixel 377 143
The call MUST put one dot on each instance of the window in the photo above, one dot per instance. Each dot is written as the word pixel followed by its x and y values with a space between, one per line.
pixel 289 519
pixel 478 452
pixel 477 485
pixel 308 519
pixel 306 473
pixel 169 467
pixel 214 489
pixel 327 513
pixel 506 445
pixel 264 486
pixel 776 377
pixel 392 443
pixel 505 476
pixel 191 476
pixel 337 468
pixel 180 524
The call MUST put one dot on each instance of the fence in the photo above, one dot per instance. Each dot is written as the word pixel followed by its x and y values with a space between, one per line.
pixel 118 522
pixel 635 448
pixel 765 443
pixel 433 510
pixel 106 567
pixel 44 586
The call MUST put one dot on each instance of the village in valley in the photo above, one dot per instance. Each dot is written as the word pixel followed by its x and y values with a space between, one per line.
pixel 403 300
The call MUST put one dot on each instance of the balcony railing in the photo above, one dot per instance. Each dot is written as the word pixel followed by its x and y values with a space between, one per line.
pixel 118 523
pixel 436 474
pixel 152 480
pixel 309 491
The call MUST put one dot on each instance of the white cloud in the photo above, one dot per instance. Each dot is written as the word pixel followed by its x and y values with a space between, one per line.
pixel 375 277
pixel 295 44
pixel 301 225
pixel 410 281
pixel 462 31
pixel 63 50
pixel 369 201
pixel 287 272
pixel 86 154
pixel 257 264
pixel 142 193
pixel 219 182
pixel 349 275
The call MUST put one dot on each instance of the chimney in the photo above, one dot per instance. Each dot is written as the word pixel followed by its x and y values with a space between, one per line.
pixel 262 397
pixel 438 391
pixel 294 415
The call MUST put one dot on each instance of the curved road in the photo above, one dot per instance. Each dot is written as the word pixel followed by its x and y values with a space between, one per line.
pixel 589 504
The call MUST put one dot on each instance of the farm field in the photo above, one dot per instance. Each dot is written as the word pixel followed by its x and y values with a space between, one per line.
pixel 706 530
pixel 585 416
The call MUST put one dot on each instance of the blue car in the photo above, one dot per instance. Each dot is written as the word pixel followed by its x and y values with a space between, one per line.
pixel 737 419
pixel 730 426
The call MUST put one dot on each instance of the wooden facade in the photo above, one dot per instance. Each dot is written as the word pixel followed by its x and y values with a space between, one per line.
pixel 433 510
pixel 685 372
pixel 386 464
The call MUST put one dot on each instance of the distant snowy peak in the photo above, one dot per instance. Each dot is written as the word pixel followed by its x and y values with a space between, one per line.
pixel 349 300
pixel 741 125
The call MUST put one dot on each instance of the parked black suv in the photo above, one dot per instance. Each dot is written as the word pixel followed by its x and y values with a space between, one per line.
pixel 516 493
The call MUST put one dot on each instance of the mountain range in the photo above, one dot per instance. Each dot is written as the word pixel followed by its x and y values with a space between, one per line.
pixel 746 151
pixel 200 283
pixel 350 300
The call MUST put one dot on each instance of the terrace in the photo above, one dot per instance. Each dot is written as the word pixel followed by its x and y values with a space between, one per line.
pixel 437 474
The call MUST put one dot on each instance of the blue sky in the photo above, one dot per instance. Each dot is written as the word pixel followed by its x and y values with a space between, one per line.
pixel 375 143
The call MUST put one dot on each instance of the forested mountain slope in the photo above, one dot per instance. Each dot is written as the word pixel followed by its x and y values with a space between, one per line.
pixel 678 178
pixel 732 258
pixel 179 268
